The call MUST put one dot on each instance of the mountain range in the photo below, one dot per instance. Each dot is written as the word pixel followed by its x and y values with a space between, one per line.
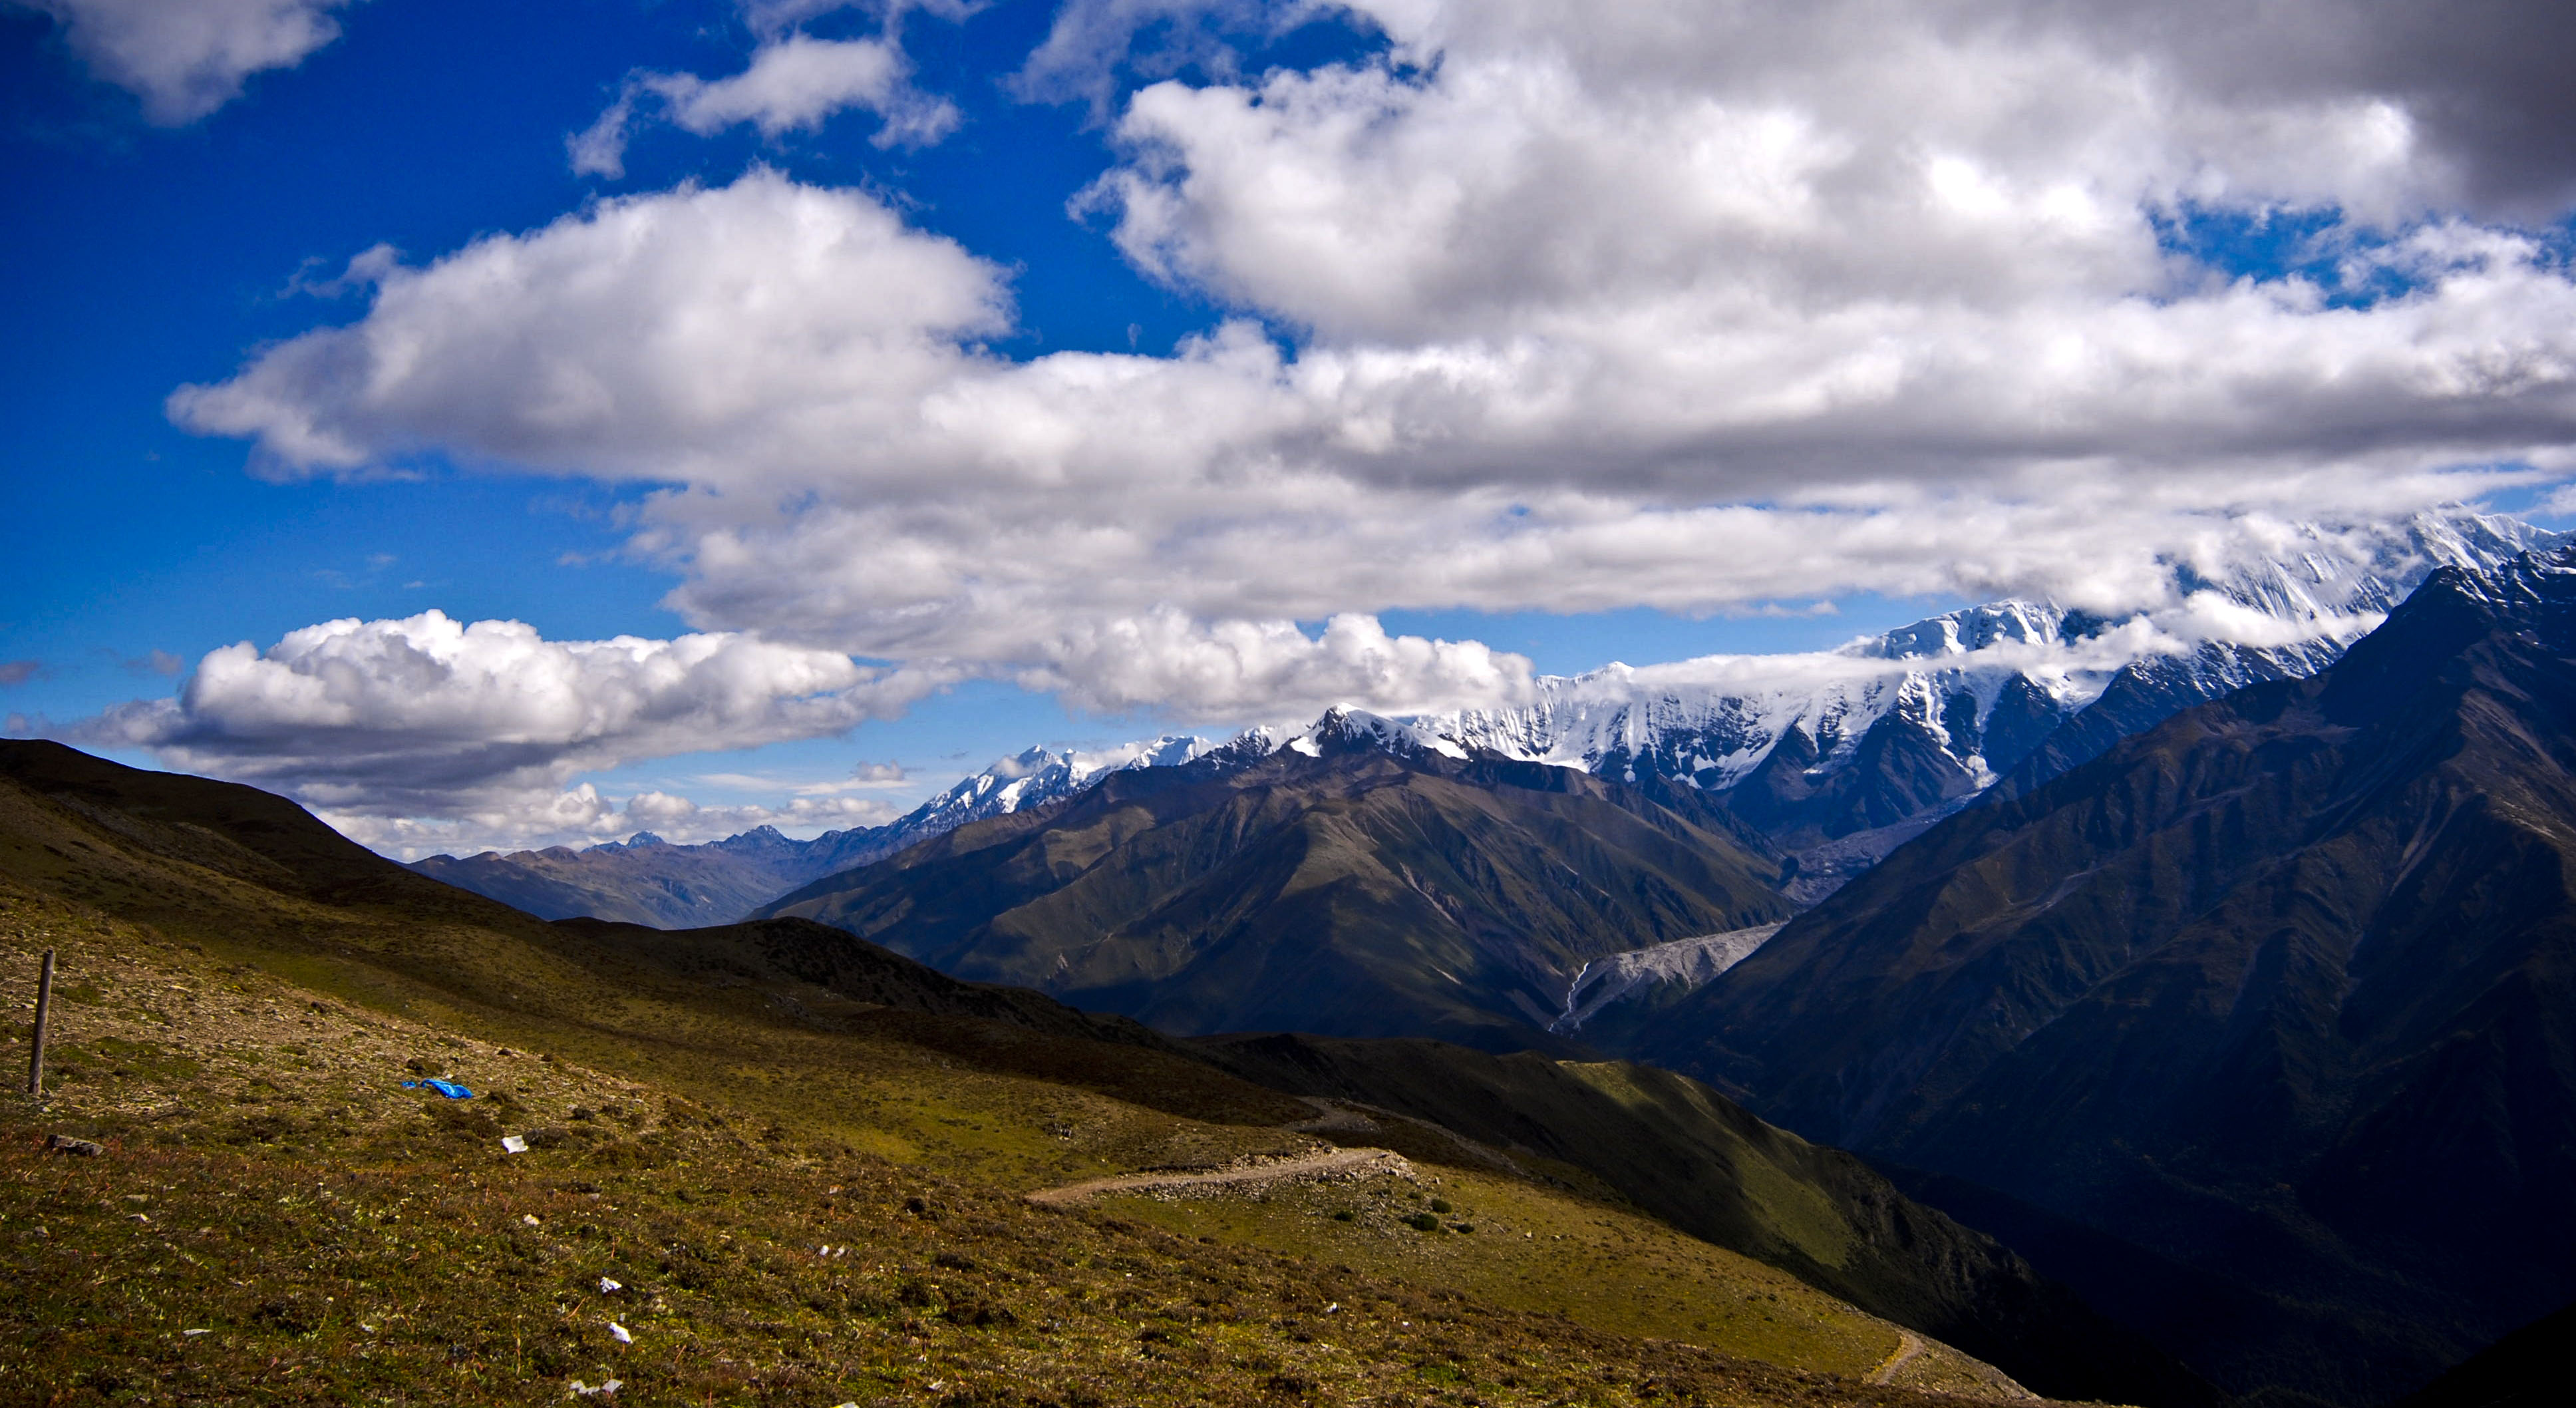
pixel 647 880
pixel 2260 1026
pixel 1828 760
pixel 1837 757
pixel 1359 878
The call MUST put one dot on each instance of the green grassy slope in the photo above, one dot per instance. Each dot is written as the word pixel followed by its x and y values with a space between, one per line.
pixel 1698 1161
pixel 707 1111
pixel 1357 893
pixel 1505 1242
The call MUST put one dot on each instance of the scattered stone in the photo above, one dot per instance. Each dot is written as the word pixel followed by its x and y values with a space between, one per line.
pixel 620 1333
pixel 607 1286
pixel 66 1144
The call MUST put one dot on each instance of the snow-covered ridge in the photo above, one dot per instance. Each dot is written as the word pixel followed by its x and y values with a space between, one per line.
pixel 1986 683
pixel 1034 778
pixel 1339 729
pixel 1710 721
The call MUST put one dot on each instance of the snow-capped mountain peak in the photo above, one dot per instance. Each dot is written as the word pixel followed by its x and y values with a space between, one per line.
pixel 1342 729
pixel 1839 754
pixel 1968 630
pixel 1945 706
pixel 1035 777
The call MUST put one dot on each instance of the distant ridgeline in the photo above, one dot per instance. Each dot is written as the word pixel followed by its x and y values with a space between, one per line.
pixel 1826 761
pixel 646 880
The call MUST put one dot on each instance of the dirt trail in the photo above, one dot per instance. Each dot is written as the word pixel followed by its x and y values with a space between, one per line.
pixel 1329 1165
pixel 1908 1345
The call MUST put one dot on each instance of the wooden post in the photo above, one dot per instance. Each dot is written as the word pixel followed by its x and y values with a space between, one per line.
pixel 44 1014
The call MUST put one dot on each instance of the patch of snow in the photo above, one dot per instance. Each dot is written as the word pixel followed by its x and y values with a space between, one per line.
pixel 1690 962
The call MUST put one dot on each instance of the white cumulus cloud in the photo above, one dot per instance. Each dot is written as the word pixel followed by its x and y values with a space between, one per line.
pixel 799 81
pixel 794 83
pixel 186 58
pixel 485 724
pixel 743 327
pixel 1236 668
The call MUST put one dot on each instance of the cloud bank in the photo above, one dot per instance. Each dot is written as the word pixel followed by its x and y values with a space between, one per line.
pixel 486 724
pixel 855 470
pixel 1535 309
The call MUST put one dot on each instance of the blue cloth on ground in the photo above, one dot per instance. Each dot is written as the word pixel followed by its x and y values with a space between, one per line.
pixel 450 1089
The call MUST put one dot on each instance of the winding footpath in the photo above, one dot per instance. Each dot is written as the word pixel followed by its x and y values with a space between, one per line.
pixel 1908 1345
pixel 1329 1165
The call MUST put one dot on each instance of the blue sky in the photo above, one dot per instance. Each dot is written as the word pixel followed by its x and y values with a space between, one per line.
pixel 1188 330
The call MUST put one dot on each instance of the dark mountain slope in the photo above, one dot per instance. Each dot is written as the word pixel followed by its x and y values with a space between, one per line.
pixel 2144 695
pixel 2279 992
pixel 1696 1159
pixel 793 951
pixel 1359 891
pixel 237 832
pixel 2525 1369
